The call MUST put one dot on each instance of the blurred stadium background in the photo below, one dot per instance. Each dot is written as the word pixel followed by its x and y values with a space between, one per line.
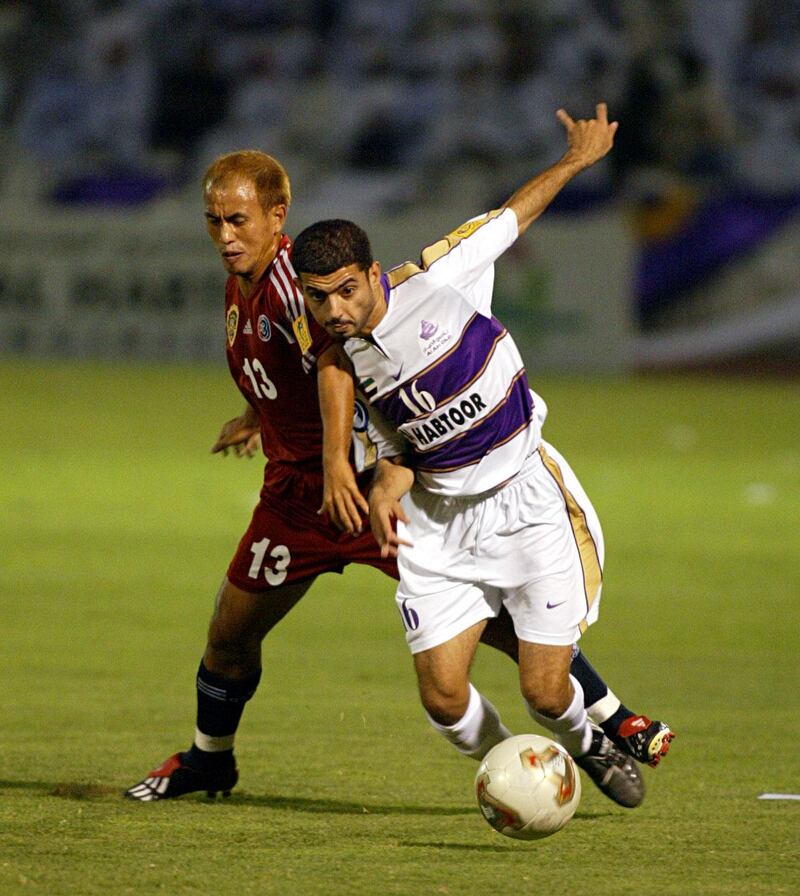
pixel 681 251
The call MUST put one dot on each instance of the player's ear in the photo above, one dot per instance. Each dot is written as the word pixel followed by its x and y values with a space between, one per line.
pixel 278 213
pixel 374 273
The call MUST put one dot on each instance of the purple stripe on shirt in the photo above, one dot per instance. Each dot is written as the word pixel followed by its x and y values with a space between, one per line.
pixel 509 418
pixel 452 372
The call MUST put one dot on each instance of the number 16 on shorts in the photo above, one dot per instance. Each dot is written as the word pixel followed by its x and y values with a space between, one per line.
pixel 410 617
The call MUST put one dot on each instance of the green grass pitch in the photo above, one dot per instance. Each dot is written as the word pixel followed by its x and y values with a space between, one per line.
pixel 116 525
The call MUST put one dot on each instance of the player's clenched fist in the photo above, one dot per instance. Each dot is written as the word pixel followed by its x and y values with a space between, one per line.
pixel 589 139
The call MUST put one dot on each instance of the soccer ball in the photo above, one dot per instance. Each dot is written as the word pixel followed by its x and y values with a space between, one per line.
pixel 528 787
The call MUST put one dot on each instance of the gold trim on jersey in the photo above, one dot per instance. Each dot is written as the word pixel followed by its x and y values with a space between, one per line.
pixel 370 450
pixel 301 331
pixel 587 549
pixel 437 250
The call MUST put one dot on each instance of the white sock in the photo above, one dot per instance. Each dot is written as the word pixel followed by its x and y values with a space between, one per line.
pixel 213 744
pixel 572 729
pixel 604 708
pixel 478 730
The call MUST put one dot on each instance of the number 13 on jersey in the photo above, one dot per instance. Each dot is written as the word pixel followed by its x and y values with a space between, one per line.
pixel 261 383
pixel 274 573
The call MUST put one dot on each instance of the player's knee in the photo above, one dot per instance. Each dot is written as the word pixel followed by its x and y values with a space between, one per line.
pixel 550 701
pixel 227 638
pixel 445 705
pixel 235 651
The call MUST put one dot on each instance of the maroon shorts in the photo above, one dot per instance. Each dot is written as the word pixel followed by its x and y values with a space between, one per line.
pixel 287 541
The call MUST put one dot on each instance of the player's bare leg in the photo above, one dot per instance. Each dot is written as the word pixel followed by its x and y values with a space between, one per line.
pixel 546 686
pixel 555 699
pixel 443 675
pixel 241 621
pixel 227 678
pixel 462 715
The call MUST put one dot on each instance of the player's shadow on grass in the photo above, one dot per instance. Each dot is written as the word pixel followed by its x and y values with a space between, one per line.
pixel 77 790
pixel 340 807
pixel 501 846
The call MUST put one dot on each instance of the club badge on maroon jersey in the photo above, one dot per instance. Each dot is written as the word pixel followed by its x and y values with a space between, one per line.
pixel 232 323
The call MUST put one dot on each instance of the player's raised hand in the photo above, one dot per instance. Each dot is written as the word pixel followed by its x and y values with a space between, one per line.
pixel 341 498
pixel 241 434
pixel 589 139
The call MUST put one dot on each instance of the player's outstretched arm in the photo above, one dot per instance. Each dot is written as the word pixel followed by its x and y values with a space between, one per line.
pixel 243 434
pixel 392 481
pixel 588 140
pixel 341 497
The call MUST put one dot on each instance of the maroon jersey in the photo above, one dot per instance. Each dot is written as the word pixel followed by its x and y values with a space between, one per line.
pixel 268 340
pixel 287 541
pixel 270 350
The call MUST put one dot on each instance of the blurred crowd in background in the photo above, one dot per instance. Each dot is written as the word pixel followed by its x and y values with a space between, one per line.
pixel 709 92
pixel 396 104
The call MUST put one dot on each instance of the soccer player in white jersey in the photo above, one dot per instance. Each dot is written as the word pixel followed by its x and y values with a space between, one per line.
pixel 487 513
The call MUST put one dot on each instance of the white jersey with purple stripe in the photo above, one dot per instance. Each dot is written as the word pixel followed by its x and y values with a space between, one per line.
pixel 444 371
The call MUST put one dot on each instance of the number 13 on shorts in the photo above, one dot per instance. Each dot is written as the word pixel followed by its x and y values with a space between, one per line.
pixel 275 572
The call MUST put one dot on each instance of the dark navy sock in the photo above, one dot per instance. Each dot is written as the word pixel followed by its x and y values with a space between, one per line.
pixel 611 725
pixel 203 760
pixel 220 704
pixel 594 689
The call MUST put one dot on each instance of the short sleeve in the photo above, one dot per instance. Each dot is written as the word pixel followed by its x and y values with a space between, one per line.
pixel 464 259
pixel 464 255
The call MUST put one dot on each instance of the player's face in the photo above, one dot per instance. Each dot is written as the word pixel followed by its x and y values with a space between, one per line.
pixel 245 236
pixel 348 302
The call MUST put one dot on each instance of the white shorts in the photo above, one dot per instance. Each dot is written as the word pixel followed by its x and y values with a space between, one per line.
pixel 534 545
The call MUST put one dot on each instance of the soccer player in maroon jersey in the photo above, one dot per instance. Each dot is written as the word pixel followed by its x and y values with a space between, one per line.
pixel 289 542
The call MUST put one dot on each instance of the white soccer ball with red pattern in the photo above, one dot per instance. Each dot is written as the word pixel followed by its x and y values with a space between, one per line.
pixel 528 787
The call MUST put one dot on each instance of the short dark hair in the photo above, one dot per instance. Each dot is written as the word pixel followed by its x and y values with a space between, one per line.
pixel 326 246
